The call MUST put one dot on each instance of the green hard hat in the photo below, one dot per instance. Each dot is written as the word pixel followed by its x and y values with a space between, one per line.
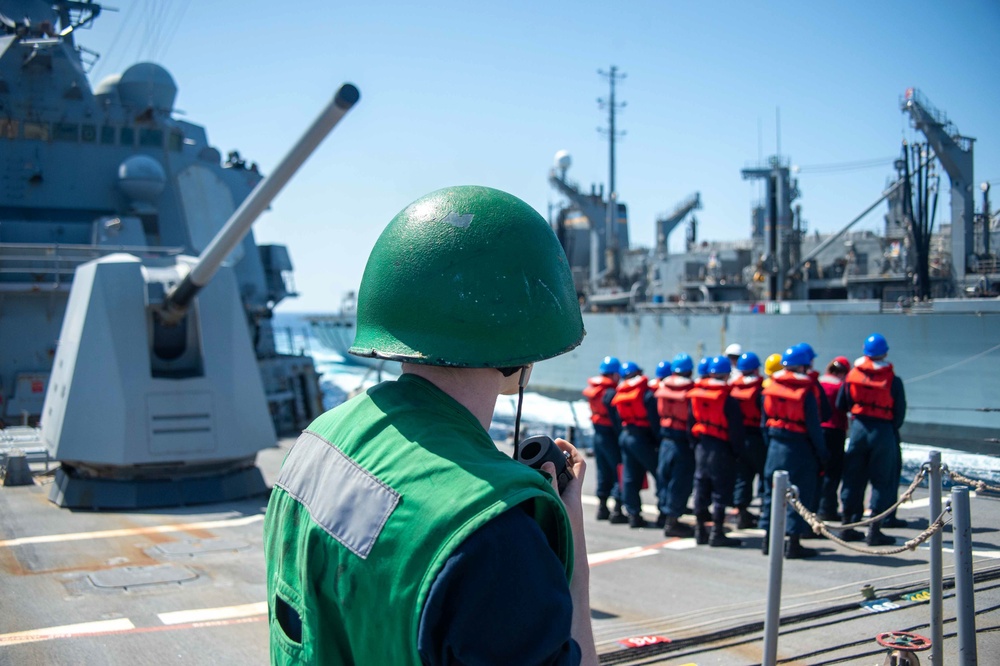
pixel 467 277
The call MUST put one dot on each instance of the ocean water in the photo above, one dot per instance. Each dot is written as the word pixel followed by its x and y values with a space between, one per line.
pixel 541 415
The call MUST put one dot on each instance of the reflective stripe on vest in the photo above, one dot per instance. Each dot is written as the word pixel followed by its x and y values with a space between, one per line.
pixel 597 387
pixel 870 385
pixel 708 407
pixel 785 401
pixel 671 401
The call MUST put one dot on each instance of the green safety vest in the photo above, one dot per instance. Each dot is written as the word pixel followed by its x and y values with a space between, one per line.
pixel 371 502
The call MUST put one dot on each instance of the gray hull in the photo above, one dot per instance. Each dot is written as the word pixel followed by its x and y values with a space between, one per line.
pixel 948 358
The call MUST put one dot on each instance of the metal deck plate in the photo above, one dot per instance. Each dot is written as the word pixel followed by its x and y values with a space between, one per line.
pixel 133 576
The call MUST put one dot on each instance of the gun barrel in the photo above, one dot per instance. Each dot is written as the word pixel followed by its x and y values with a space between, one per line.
pixel 233 232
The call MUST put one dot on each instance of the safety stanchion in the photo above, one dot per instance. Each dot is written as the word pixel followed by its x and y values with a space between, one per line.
pixel 936 576
pixel 776 559
pixel 966 610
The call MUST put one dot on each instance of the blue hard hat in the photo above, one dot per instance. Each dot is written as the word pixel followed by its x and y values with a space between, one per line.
pixel 748 362
pixel 797 355
pixel 682 363
pixel 703 366
pixel 662 369
pixel 719 365
pixel 610 365
pixel 876 345
pixel 807 348
pixel 629 368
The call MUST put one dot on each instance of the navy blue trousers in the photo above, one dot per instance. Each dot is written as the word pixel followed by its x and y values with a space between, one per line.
pixel 714 475
pixel 638 457
pixel 872 456
pixel 793 453
pixel 608 453
pixel 830 481
pixel 675 473
pixel 749 464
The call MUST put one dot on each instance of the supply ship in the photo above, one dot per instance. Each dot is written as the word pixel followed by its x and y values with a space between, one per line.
pixel 929 287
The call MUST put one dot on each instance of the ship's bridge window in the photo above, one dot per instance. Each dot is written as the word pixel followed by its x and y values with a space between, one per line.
pixel 66 132
pixel 128 136
pixel 88 133
pixel 151 138
pixel 8 128
pixel 37 131
pixel 175 141
pixel 107 135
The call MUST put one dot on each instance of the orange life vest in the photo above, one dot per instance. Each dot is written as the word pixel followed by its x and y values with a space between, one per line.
pixel 629 401
pixel 747 391
pixel 671 401
pixel 594 393
pixel 708 407
pixel 785 400
pixel 870 385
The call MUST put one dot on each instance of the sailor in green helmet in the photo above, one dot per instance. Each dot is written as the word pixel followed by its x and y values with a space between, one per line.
pixel 397 533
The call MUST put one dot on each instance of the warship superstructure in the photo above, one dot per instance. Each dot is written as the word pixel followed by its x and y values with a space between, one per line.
pixel 86 172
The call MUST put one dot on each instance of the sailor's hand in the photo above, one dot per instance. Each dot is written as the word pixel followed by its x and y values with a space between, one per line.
pixel 577 467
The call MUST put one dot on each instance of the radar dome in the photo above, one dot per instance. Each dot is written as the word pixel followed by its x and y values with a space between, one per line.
pixel 563 160
pixel 147 85
pixel 141 178
pixel 108 86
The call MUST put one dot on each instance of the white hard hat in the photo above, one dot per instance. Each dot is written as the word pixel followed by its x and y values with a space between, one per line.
pixel 734 350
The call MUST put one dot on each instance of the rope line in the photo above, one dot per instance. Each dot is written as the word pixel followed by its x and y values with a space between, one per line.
pixel 980 486
pixel 819 527
pixel 905 497
pixel 953 365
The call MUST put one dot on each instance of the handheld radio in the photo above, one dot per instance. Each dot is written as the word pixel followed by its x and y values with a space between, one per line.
pixel 539 449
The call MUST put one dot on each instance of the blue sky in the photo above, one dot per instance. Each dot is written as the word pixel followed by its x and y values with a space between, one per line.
pixel 486 93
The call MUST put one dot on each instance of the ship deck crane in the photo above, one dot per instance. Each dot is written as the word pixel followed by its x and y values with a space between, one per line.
pixel 954 151
pixel 667 222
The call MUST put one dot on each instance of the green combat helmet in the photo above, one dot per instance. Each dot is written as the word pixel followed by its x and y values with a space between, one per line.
pixel 467 277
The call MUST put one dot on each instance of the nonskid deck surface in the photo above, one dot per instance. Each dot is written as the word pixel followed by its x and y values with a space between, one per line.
pixel 188 584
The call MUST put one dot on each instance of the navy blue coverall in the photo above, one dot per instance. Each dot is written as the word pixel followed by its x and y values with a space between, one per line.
pixel 639 455
pixel 715 463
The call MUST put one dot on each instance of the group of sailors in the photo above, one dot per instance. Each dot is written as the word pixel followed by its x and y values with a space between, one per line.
pixel 715 435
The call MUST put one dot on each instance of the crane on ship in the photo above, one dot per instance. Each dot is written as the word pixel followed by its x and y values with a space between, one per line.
pixel 667 222
pixel 954 151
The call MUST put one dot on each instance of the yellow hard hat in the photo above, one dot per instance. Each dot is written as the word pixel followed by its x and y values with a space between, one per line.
pixel 772 364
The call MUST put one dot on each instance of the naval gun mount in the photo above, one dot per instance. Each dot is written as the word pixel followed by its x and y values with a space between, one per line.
pixel 155 397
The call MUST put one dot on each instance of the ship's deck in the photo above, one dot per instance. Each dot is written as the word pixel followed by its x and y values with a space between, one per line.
pixel 188 585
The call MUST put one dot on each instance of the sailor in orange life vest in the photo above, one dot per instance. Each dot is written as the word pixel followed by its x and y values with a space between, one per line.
pixel 795 444
pixel 834 433
pixel 715 423
pixel 874 395
pixel 639 439
pixel 675 467
pixel 599 392
pixel 825 407
pixel 747 389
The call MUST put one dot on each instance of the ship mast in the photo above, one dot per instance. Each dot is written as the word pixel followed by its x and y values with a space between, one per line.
pixel 610 230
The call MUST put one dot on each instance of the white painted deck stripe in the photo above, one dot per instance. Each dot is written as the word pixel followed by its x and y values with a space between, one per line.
pixel 132 531
pixel 210 614
pixel 66 631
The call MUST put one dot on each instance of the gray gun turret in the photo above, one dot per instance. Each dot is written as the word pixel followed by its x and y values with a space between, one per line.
pixel 155 396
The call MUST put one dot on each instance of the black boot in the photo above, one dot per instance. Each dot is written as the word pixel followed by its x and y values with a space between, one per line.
pixel 718 536
pixel 661 520
pixel 794 550
pixel 636 521
pixel 892 522
pixel 701 533
pixel 746 520
pixel 765 547
pixel 675 528
pixel 876 538
pixel 603 512
pixel 617 517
